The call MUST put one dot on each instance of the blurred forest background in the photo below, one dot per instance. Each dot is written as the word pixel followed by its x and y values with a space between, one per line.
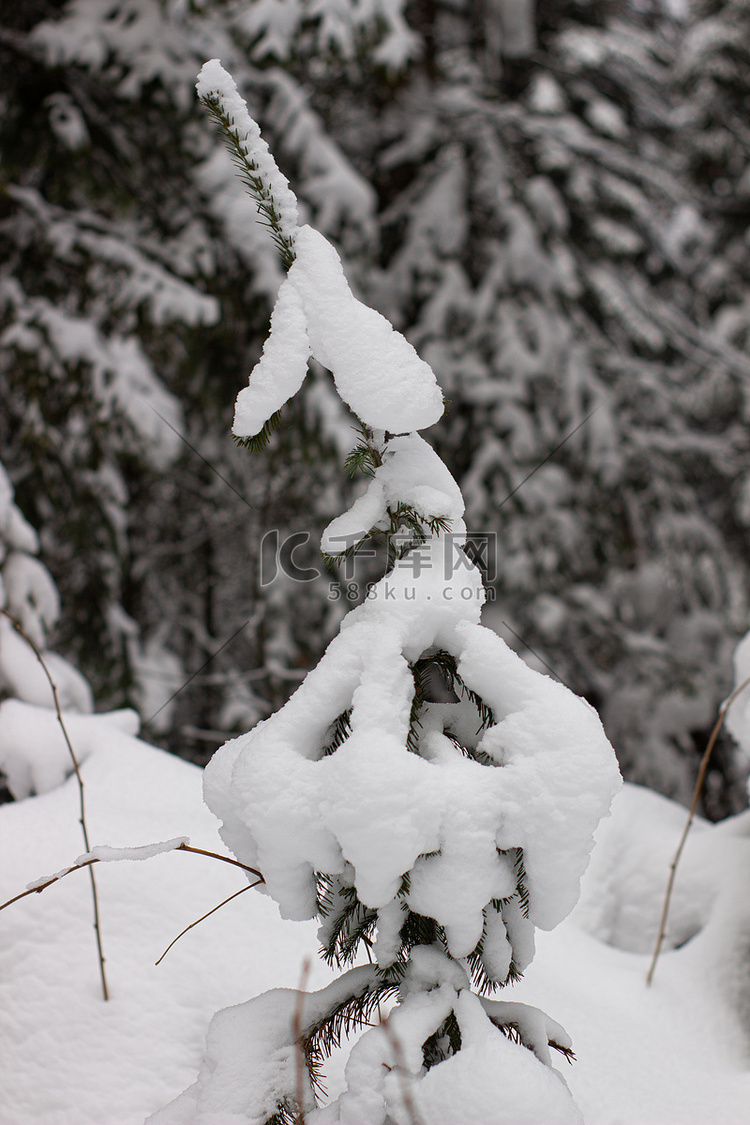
pixel 550 201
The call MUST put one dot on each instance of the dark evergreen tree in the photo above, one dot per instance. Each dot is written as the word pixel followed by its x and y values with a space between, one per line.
pixel 133 288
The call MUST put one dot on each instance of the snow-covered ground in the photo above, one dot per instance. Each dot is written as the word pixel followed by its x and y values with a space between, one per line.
pixel 675 1054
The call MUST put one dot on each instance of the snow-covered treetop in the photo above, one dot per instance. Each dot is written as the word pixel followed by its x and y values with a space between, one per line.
pixel 363 743
pixel 377 372
pixel 423 793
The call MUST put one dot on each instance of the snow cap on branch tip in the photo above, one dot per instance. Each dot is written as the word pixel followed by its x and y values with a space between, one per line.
pixel 214 82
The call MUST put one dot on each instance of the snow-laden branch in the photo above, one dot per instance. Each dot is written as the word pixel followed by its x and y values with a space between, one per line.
pixel 377 371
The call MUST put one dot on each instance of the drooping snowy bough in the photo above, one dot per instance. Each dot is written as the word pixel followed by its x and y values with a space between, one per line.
pixel 423 793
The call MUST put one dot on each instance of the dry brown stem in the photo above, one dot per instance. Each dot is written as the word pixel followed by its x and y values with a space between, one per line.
pixel 90 862
pixel 81 799
pixel 688 824
pixel 400 1067
pixel 298 1039
pixel 208 914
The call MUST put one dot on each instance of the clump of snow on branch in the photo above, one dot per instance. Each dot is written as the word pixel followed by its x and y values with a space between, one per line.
pixel 292 810
pixel 488 1079
pixel 104 853
pixel 376 370
pixel 252 1060
pixel 411 473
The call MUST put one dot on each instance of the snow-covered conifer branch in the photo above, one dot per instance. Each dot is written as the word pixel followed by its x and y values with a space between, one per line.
pixel 376 370
pixel 257 169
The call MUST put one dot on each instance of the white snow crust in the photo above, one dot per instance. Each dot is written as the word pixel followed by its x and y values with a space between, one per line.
pixel 252 1064
pixel 66 1056
pixel 675 1054
pixel 252 1061
pixel 489 1079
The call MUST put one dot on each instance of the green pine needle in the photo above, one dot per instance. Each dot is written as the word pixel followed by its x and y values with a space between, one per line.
pixel 350 1014
pixel 249 174
pixel 446 1041
pixel 337 734
pixel 361 459
pixel 258 442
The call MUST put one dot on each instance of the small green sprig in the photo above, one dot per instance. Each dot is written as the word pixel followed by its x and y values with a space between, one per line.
pixel 250 176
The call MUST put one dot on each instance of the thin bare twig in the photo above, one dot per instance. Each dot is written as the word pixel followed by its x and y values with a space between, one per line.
pixel 299 1116
pixel 90 862
pixel 400 1066
pixel 688 824
pixel 82 804
pixel 203 917
pixel 223 858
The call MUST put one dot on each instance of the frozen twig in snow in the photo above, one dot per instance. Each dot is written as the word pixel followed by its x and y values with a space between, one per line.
pixel 82 803
pixel 688 824
pixel 401 1070
pixel 104 854
pixel 298 1039
pixel 208 914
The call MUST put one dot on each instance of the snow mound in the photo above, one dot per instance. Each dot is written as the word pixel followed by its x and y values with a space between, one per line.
pixel 34 754
pixel 68 1058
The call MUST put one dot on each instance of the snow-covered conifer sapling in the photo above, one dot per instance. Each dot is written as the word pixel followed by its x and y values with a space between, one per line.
pixel 424 794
